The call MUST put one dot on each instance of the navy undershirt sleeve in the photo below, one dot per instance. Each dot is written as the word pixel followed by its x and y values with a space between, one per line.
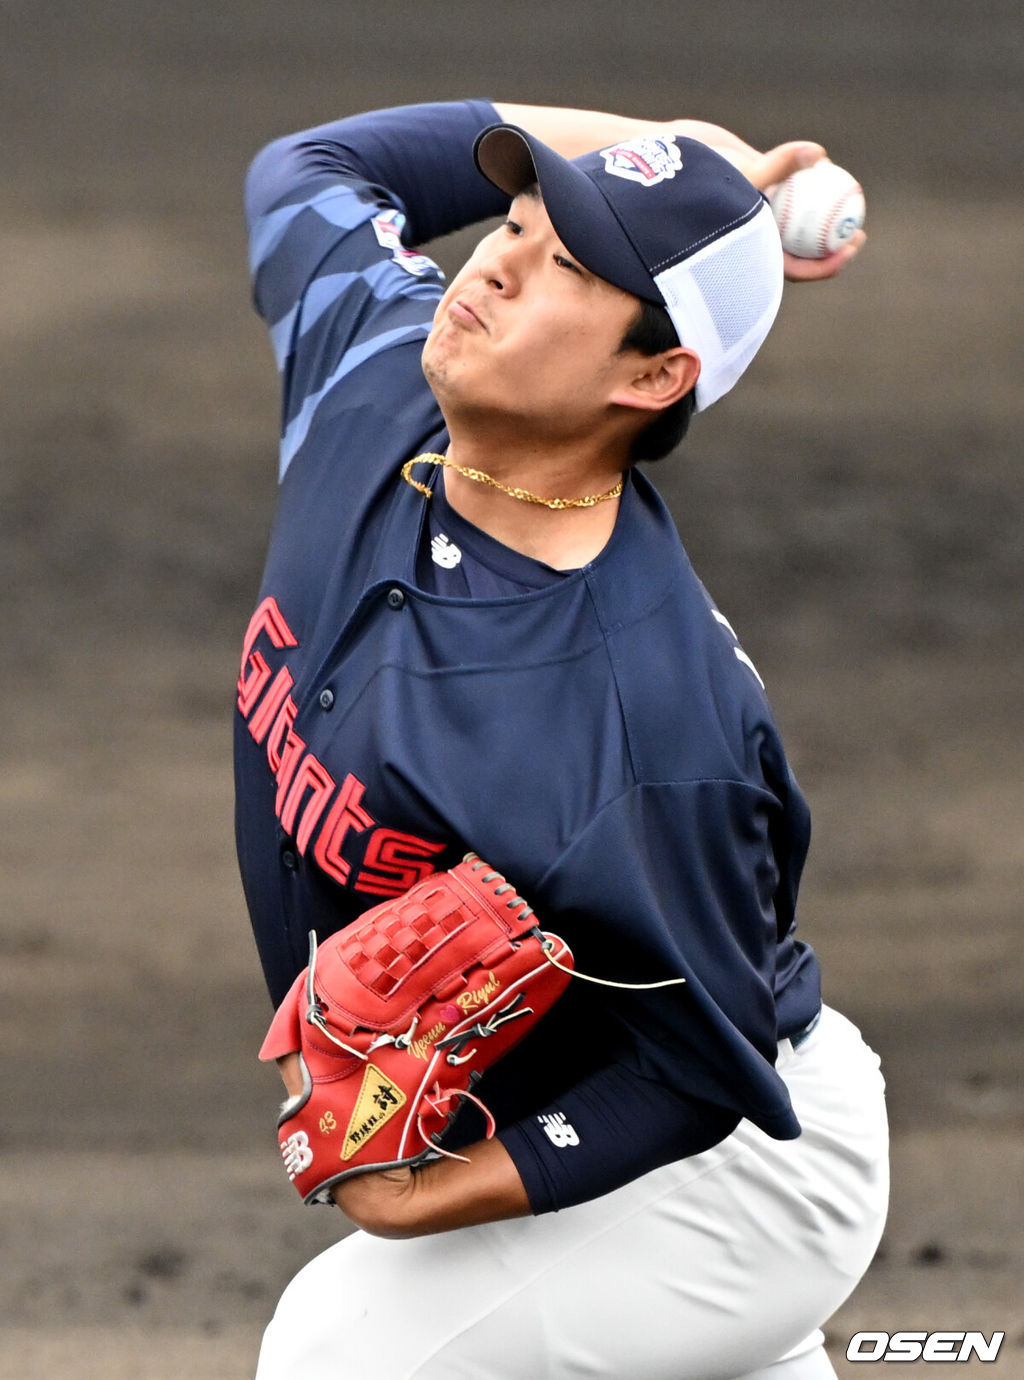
pixel 608 1129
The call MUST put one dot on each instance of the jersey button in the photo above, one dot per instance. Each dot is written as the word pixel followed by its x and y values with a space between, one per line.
pixel 396 598
pixel 327 699
pixel 289 859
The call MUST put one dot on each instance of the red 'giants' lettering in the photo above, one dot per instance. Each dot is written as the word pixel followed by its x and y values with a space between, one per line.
pixel 402 860
pixel 346 813
pixel 308 801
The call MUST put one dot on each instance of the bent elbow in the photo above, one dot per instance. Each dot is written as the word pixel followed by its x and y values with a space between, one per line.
pixel 269 176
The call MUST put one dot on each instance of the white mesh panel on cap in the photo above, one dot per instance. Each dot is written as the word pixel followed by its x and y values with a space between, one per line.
pixel 723 301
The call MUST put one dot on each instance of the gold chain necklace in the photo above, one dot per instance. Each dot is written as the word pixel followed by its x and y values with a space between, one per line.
pixel 429 458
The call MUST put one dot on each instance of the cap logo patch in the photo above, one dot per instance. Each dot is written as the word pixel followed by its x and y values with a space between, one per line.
pixel 647 160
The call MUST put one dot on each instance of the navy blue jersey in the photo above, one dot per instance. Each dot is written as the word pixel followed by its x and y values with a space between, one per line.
pixel 597 735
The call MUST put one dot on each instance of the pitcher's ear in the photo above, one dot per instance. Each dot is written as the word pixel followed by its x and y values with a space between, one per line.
pixel 654 382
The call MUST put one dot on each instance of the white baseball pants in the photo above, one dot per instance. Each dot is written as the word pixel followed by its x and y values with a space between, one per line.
pixel 719 1267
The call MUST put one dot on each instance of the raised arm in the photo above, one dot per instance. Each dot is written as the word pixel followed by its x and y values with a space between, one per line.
pixel 574 132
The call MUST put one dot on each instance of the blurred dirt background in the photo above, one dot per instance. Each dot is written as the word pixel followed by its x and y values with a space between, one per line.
pixel 856 508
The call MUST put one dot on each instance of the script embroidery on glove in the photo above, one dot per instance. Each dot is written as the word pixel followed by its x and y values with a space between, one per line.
pixel 469 1001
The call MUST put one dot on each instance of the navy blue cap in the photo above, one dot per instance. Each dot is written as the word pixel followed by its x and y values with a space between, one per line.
pixel 667 219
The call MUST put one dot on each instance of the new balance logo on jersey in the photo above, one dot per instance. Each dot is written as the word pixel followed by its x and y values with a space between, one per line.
pixel 444 551
pixel 296 1153
pixel 558 1131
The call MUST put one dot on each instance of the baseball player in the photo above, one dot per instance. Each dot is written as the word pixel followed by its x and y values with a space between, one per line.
pixel 477 629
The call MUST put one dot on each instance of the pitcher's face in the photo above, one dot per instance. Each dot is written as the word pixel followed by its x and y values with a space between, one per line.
pixel 526 330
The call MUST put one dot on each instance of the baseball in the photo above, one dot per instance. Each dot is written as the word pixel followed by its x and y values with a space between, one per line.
pixel 817 210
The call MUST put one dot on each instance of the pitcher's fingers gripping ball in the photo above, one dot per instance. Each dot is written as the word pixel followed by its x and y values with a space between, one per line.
pixel 398 1016
pixel 818 210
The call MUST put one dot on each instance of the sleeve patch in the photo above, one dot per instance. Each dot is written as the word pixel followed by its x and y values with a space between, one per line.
pixel 387 226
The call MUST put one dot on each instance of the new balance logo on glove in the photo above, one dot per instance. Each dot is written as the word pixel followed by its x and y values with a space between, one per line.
pixel 296 1154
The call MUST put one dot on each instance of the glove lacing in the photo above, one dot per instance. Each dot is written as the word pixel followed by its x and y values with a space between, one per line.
pixel 437 1100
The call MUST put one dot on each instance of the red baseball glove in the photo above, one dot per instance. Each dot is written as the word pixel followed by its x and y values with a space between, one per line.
pixel 397 1017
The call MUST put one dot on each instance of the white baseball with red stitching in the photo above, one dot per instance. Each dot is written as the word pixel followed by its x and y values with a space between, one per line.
pixel 817 210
